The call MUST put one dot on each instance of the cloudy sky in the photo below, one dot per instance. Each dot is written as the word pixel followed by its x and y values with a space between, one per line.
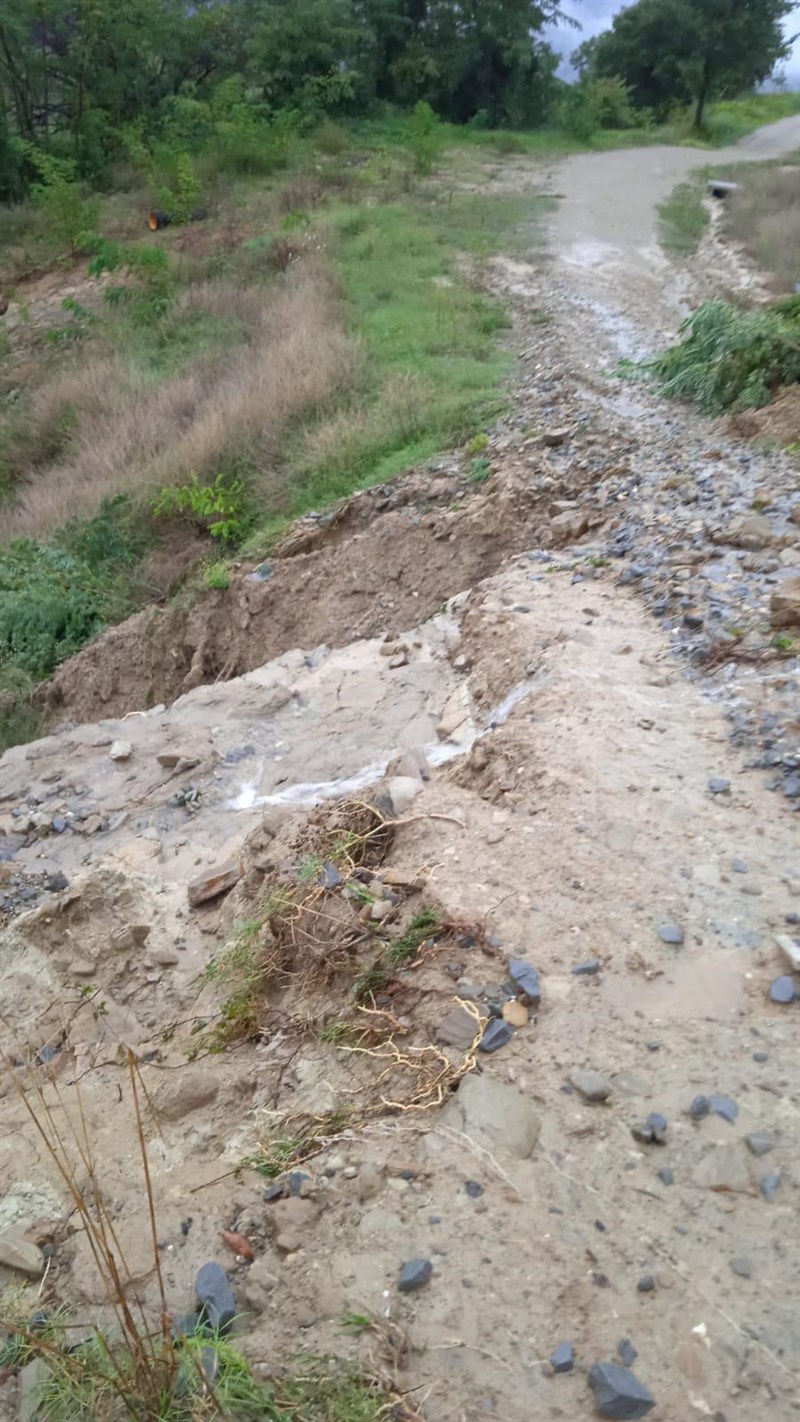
pixel 596 15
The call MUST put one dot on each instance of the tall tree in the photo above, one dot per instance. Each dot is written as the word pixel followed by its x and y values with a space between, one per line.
pixel 689 51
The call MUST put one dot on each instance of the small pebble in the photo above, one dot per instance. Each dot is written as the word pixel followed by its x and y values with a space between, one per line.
pixel 759 1143
pixel 742 1267
pixel 587 969
pixel 653 1131
pixel 626 1351
pixel 497 1034
pixel 666 1176
pixel 414 1275
pixel 725 1107
pixel 473 1189
pixel 646 1284
pixel 670 933
pixel 718 786
pixel 782 989
pixel 760 1057
pixel 700 1108
pixel 738 866
pixel 769 1184
pixel 563 1359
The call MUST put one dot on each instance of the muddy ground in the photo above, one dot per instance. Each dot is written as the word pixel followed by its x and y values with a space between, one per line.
pixel 563 685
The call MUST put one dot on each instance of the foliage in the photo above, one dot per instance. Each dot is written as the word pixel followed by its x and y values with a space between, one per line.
pixel 679 52
pixel 69 216
pixel 221 508
pixel 217 576
pixel 50 606
pixel 683 219
pixel 423 127
pixel 729 359
pixel 149 291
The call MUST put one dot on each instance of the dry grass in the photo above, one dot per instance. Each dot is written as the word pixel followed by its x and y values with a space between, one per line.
pixel 764 216
pixel 128 431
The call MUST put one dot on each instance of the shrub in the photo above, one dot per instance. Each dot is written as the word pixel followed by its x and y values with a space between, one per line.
pixel 729 359
pixel 217 576
pixel 330 138
pixel 219 508
pixel 50 606
pixel 69 216
pixel 423 136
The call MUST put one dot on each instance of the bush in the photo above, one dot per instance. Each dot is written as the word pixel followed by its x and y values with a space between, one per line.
pixel 219 508
pixel 330 138
pixel 50 606
pixel 69 216
pixel 423 136
pixel 730 359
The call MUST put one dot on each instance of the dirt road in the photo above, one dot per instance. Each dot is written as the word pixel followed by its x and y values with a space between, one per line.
pixel 605 228
pixel 586 777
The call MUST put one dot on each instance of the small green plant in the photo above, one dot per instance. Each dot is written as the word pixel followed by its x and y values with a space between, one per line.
pixel 480 469
pixel 83 320
pixel 595 561
pixel 217 576
pixel 150 290
pixel 220 508
pixel 783 642
pixel 478 443
pixel 424 925
pixel 423 137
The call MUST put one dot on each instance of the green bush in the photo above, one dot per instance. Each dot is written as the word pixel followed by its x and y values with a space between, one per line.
pixel 69 216
pixel 729 359
pixel 50 605
pixel 423 136
pixel 220 508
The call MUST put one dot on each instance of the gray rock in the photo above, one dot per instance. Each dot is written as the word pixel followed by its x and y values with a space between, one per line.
pixel 592 1085
pixel 526 981
pixel 587 969
pixel 497 1034
pixel 563 1359
pixel 670 933
pixel 474 1189
pixel 725 1167
pixel 653 1131
pixel 618 1393
pixel 666 1176
pixel 215 1296
pixel 33 1379
pixel 22 1256
pixel 769 1185
pixel 646 1284
pixel 457 1029
pixel 493 1115
pixel 718 786
pixel 187 1324
pixel 738 866
pixel 760 1143
pixel 414 1275
pixel 627 1352
pixel 742 1267
pixel 700 1108
pixel 782 989
pixel 724 1106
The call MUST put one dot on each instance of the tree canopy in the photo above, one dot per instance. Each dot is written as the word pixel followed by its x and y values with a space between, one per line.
pixel 75 73
pixel 672 52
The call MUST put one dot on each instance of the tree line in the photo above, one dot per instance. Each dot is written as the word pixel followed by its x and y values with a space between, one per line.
pixel 86 81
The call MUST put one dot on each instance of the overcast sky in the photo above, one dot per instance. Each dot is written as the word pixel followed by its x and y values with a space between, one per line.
pixel 596 15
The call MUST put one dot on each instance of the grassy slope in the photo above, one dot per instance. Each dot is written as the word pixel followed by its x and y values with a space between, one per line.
pixel 432 363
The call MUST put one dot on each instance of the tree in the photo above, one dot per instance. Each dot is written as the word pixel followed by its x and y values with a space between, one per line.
pixel 689 51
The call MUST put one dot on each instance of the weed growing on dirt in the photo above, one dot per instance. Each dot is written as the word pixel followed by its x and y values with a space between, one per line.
pixel 729 359
pixel 683 219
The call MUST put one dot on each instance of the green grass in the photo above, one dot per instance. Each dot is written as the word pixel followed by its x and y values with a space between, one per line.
pixel 731 119
pixel 683 219
pixel 434 361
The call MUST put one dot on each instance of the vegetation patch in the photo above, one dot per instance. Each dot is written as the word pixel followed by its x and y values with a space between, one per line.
pixel 728 358
pixel 683 219
pixel 763 216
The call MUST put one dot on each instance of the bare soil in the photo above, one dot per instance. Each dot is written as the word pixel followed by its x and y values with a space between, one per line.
pixel 554 749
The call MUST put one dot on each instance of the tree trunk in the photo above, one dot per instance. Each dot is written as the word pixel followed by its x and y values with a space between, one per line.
pixel 702 96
